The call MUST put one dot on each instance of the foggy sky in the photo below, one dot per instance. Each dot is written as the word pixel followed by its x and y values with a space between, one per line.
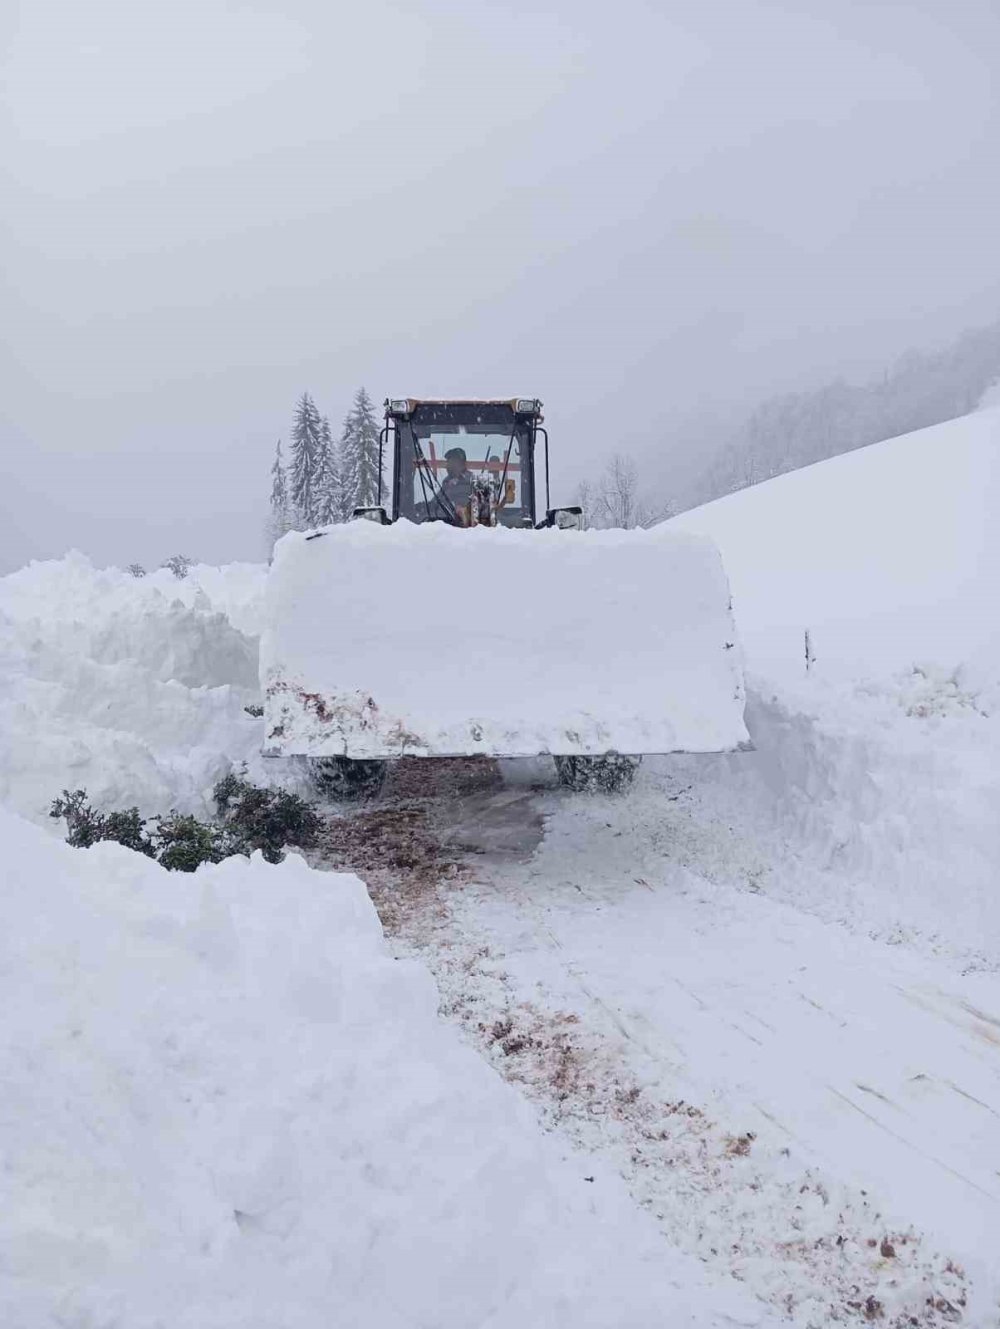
pixel 649 215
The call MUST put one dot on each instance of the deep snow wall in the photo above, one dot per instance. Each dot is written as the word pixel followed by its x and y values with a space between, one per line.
pixel 871 795
pixel 133 688
pixel 228 1106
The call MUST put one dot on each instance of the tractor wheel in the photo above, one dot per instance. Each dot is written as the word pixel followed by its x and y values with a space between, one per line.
pixel 347 779
pixel 610 774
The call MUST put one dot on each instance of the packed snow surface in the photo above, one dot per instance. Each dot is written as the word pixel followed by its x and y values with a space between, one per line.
pixel 133 688
pixel 783 1095
pixel 436 641
pixel 226 1106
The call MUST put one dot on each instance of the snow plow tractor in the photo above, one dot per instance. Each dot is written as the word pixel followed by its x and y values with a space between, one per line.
pixel 459 618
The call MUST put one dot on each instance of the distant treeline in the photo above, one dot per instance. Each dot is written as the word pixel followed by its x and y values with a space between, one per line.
pixel 796 429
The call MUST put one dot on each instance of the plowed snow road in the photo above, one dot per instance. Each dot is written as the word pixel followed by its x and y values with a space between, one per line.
pixel 814 1112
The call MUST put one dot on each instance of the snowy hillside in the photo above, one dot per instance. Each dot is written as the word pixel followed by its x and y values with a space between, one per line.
pixel 888 556
pixel 882 763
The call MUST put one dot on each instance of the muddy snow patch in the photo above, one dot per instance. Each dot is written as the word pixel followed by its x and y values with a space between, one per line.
pixel 723 1170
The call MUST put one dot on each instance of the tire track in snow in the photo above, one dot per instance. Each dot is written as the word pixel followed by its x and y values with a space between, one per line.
pixel 741 1202
pixel 730 1174
pixel 737 1187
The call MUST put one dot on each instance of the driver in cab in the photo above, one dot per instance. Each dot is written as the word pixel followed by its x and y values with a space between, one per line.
pixel 457 484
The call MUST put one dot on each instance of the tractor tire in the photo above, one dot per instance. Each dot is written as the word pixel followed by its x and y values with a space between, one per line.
pixel 349 780
pixel 610 774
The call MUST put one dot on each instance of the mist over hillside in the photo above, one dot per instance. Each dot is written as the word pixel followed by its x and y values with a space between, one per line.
pixel 795 429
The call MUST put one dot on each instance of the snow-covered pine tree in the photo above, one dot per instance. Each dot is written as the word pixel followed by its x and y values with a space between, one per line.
pixel 327 481
pixel 306 444
pixel 345 452
pixel 359 454
pixel 281 516
pixel 179 565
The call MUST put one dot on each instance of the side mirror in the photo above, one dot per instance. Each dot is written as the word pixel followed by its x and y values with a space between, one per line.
pixel 371 514
pixel 565 519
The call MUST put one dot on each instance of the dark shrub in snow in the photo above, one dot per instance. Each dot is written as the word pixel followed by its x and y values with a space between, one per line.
pixel 249 818
pixel 183 843
pixel 265 819
pixel 179 565
pixel 85 826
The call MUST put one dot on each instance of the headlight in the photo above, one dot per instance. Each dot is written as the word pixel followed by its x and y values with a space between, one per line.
pixel 399 406
pixel 565 519
pixel 527 406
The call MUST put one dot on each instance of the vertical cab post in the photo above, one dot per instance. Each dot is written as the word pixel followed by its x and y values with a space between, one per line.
pixel 382 439
pixel 540 429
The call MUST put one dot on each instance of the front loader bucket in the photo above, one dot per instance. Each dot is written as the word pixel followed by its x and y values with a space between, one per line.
pixel 426 640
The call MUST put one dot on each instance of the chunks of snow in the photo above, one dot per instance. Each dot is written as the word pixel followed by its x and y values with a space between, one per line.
pixel 131 687
pixel 437 641
pixel 226 1106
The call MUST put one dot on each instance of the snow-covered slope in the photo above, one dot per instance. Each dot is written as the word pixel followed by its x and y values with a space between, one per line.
pixel 888 556
pixel 872 795
pixel 226 1106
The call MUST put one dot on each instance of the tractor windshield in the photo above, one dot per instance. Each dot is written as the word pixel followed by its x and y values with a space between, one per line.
pixel 444 449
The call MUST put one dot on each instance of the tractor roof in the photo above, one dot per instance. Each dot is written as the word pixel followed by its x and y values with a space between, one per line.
pixel 520 405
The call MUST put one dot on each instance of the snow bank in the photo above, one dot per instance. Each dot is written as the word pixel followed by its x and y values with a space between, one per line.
pixel 439 641
pixel 132 688
pixel 235 589
pixel 227 1107
pixel 871 795
pixel 873 807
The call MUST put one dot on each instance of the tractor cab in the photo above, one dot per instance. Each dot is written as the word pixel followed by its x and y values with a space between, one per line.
pixel 466 463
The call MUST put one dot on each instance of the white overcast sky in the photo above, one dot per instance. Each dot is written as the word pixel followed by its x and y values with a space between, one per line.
pixel 643 213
